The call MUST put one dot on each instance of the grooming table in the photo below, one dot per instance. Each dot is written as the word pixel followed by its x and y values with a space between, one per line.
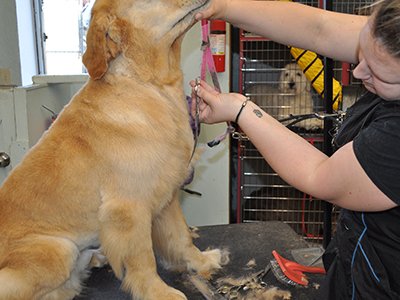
pixel 244 241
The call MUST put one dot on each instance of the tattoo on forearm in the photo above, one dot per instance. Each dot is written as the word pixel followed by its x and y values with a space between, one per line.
pixel 258 113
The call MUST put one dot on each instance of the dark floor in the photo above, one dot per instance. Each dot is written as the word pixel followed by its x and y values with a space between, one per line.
pixel 245 242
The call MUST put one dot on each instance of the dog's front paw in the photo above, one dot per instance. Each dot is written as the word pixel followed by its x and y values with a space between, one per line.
pixel 168 293
pixel 218 256
pixel 212 261
pixel 175 295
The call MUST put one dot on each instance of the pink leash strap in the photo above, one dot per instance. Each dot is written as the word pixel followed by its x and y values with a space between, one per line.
pixel 208 61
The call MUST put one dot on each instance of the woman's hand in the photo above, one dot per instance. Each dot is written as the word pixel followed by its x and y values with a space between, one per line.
pixel 215 107
pixel 215 10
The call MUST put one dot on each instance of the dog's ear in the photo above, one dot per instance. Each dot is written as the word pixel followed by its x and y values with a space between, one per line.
pixel 104 42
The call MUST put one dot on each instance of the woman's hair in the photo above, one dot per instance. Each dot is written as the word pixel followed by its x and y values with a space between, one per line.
pixel 386 25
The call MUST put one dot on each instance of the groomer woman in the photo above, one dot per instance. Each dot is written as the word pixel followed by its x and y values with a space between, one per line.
pixel 363 175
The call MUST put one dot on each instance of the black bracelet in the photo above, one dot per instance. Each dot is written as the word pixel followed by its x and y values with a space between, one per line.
pixel 241 109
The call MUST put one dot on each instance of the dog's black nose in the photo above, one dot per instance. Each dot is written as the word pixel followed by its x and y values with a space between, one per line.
pixel 292 84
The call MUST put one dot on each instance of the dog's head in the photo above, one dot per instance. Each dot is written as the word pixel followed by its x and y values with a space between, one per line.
pixel 143 33
pixel 292 80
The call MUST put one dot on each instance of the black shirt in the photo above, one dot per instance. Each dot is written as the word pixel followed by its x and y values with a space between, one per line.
pixel 374 126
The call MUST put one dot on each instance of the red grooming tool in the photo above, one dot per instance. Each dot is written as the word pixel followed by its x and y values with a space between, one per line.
pixel 290 272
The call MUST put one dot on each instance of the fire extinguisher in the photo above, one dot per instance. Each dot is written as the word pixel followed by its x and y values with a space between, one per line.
pixel 217 43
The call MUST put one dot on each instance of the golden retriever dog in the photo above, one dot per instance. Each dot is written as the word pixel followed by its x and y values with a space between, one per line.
pixel 108 172
pixel 290 96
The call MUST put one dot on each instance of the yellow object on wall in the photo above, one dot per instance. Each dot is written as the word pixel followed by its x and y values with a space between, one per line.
pixel 313 69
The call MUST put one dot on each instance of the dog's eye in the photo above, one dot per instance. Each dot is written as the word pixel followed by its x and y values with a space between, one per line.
pixel 286 74
pixel 298 74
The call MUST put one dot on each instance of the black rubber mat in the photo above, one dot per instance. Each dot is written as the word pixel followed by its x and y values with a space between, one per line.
pixel 244 241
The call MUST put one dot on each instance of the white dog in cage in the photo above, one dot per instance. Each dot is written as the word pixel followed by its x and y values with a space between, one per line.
pixel 293 81
pixel 292 96
pixel 298 100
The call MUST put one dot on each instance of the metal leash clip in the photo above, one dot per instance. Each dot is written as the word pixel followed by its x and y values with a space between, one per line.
pixel 335 116
pixel 196 88
pixel 236 135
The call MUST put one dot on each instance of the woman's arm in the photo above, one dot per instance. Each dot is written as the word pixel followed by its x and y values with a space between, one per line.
pixel 327 33
pixel 338 179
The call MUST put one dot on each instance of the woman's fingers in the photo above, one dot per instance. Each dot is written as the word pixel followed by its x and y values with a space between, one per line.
pixel 213 11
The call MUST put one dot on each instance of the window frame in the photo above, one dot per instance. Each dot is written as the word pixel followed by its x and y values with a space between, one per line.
pixel 40 35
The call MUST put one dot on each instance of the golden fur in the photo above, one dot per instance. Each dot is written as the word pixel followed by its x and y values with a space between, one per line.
pixel 108 171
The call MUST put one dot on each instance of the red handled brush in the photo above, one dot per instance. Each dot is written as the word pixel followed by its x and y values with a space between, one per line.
pixel 290 272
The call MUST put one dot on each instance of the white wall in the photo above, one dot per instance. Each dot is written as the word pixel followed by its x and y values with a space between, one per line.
pixel 7 126
pixel 212 171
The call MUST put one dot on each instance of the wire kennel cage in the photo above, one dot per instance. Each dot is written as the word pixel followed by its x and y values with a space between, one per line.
pixel 264 74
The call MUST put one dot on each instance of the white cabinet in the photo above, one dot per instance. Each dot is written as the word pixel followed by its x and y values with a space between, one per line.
pixel 7 130
pixel 25 113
